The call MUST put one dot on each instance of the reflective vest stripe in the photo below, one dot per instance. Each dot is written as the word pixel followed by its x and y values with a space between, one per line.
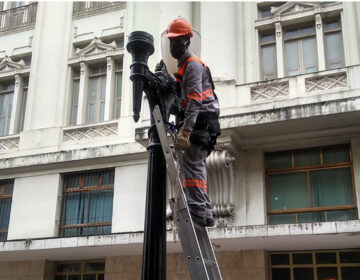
pixel 200 96
pixel 181 71
pixel 194 180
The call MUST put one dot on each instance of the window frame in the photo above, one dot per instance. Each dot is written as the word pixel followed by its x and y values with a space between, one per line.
pixel 80 190
pixel 331 31
pixel 300 39
pixel 307 169
pixel 82 270
pixel 314 265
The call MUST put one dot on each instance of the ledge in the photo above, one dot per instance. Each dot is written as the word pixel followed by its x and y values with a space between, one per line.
pixel 310 236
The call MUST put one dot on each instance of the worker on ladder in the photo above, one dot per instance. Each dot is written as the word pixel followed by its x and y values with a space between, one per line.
pixel 196 119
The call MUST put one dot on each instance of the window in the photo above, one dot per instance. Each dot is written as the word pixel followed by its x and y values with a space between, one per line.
pixel 75 95
pixel 314 185
pixel 23 103
pixel 96 97
pixel 333 44
pixel 318 265
pixel 300 50
pixel 6 99
pixel 6 191
pixel 268 56
pixel 118 85
pixel 89 270
pixel 87 203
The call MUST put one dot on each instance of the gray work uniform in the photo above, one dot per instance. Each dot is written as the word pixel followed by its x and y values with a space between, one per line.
pixel 197 97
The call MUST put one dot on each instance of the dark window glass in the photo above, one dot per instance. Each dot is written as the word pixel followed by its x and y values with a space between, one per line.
pixel 74 277
pixel 302 258
pixel 280 259
pixel 342 215
pixel 277 161
pixel 350 257
pixel 306 158
pixel 94 266
pixel 327 273
pixel 89 277
pixel 281 274
pixel 101 277
pixel 68 267
pixel 336 155
pixel 60 277
pixel 326 258
pixel 282 219
pixel 311 217
pixel 350 273
pixel 303 274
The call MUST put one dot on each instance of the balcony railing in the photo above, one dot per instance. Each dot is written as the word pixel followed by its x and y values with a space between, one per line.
pixel 18 17
pixel 84 8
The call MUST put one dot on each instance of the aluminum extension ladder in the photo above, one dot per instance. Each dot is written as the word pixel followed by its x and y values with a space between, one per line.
pixel 197 248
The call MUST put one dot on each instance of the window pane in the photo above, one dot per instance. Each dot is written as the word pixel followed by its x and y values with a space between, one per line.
pixel 22 109
pixel 89 277
pixel 288 191
pixel 72 181
pixel 282 219
pixel 309 54
pixel 68 267
pixel 292 57
pixel 75 208
pixel 101 206
pixel 74 277
pixel 279 259
pixel 290 33
pixel 307 30
pixel 5 112
pixel 118 94
pixel 302 258
pixel 350 257
pixel 266 12
pixel 280 274
pixel 94 266
pixel 268 62
pixel 343 215
pixel 350 273
pixel 5 208
pixel 303 274
pixel 93 89
pixel 332 25
pixel 331 187
pixel 91 179
pixel 326 273
pixel 75 101
pixel 306 158
pixel 88 231
pixel 336 155
pixel 107 177
pixel 267 38
pixel 333 50
pixel 326 258
pixel 311 217
pixel 277 161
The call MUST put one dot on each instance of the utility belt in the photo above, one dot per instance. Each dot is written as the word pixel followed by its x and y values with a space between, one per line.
pixel 206 130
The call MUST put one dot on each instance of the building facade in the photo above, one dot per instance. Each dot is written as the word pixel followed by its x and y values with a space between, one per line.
pixel 284 179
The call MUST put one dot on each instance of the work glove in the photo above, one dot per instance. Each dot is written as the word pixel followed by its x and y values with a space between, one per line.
pixel 182 139
pixel 161 66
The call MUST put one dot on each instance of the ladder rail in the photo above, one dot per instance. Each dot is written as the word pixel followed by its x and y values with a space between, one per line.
pixel 198 251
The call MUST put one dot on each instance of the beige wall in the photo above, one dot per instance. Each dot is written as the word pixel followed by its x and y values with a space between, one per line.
pixel 23 270
pixel 240 265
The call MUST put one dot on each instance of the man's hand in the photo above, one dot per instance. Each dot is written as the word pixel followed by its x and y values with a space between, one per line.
pixel 182 140
pixel 161 66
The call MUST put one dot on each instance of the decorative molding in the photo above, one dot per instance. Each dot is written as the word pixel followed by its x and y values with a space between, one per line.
pixel 291 7
pixel 122 18
pixel 326 82
pixel 96 46
pixel 219 165
pixel 9 143
pixel 91 132
pixel 269 91
pixel 7 64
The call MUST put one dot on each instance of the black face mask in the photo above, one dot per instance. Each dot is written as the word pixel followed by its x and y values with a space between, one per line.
pixel 178 50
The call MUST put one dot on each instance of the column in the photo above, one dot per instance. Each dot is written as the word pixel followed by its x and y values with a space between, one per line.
pixel 83 92
pixel 320 42
pixel 15 111
pixel 279 50
pixel 110 86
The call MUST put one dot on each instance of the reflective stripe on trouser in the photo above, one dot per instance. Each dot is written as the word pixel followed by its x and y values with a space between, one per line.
pixel 195 188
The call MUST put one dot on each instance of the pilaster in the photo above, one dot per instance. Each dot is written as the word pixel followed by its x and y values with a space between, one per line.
pixel 83 89
pixel 320 42
pixel 279 50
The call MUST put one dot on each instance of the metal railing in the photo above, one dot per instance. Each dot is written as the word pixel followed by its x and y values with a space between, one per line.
pixel 83 7
pixel 18 17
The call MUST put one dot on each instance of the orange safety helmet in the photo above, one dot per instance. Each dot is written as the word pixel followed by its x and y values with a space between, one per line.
pixel 179 27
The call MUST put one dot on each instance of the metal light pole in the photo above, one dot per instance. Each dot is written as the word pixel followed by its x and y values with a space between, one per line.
pixel 157 88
